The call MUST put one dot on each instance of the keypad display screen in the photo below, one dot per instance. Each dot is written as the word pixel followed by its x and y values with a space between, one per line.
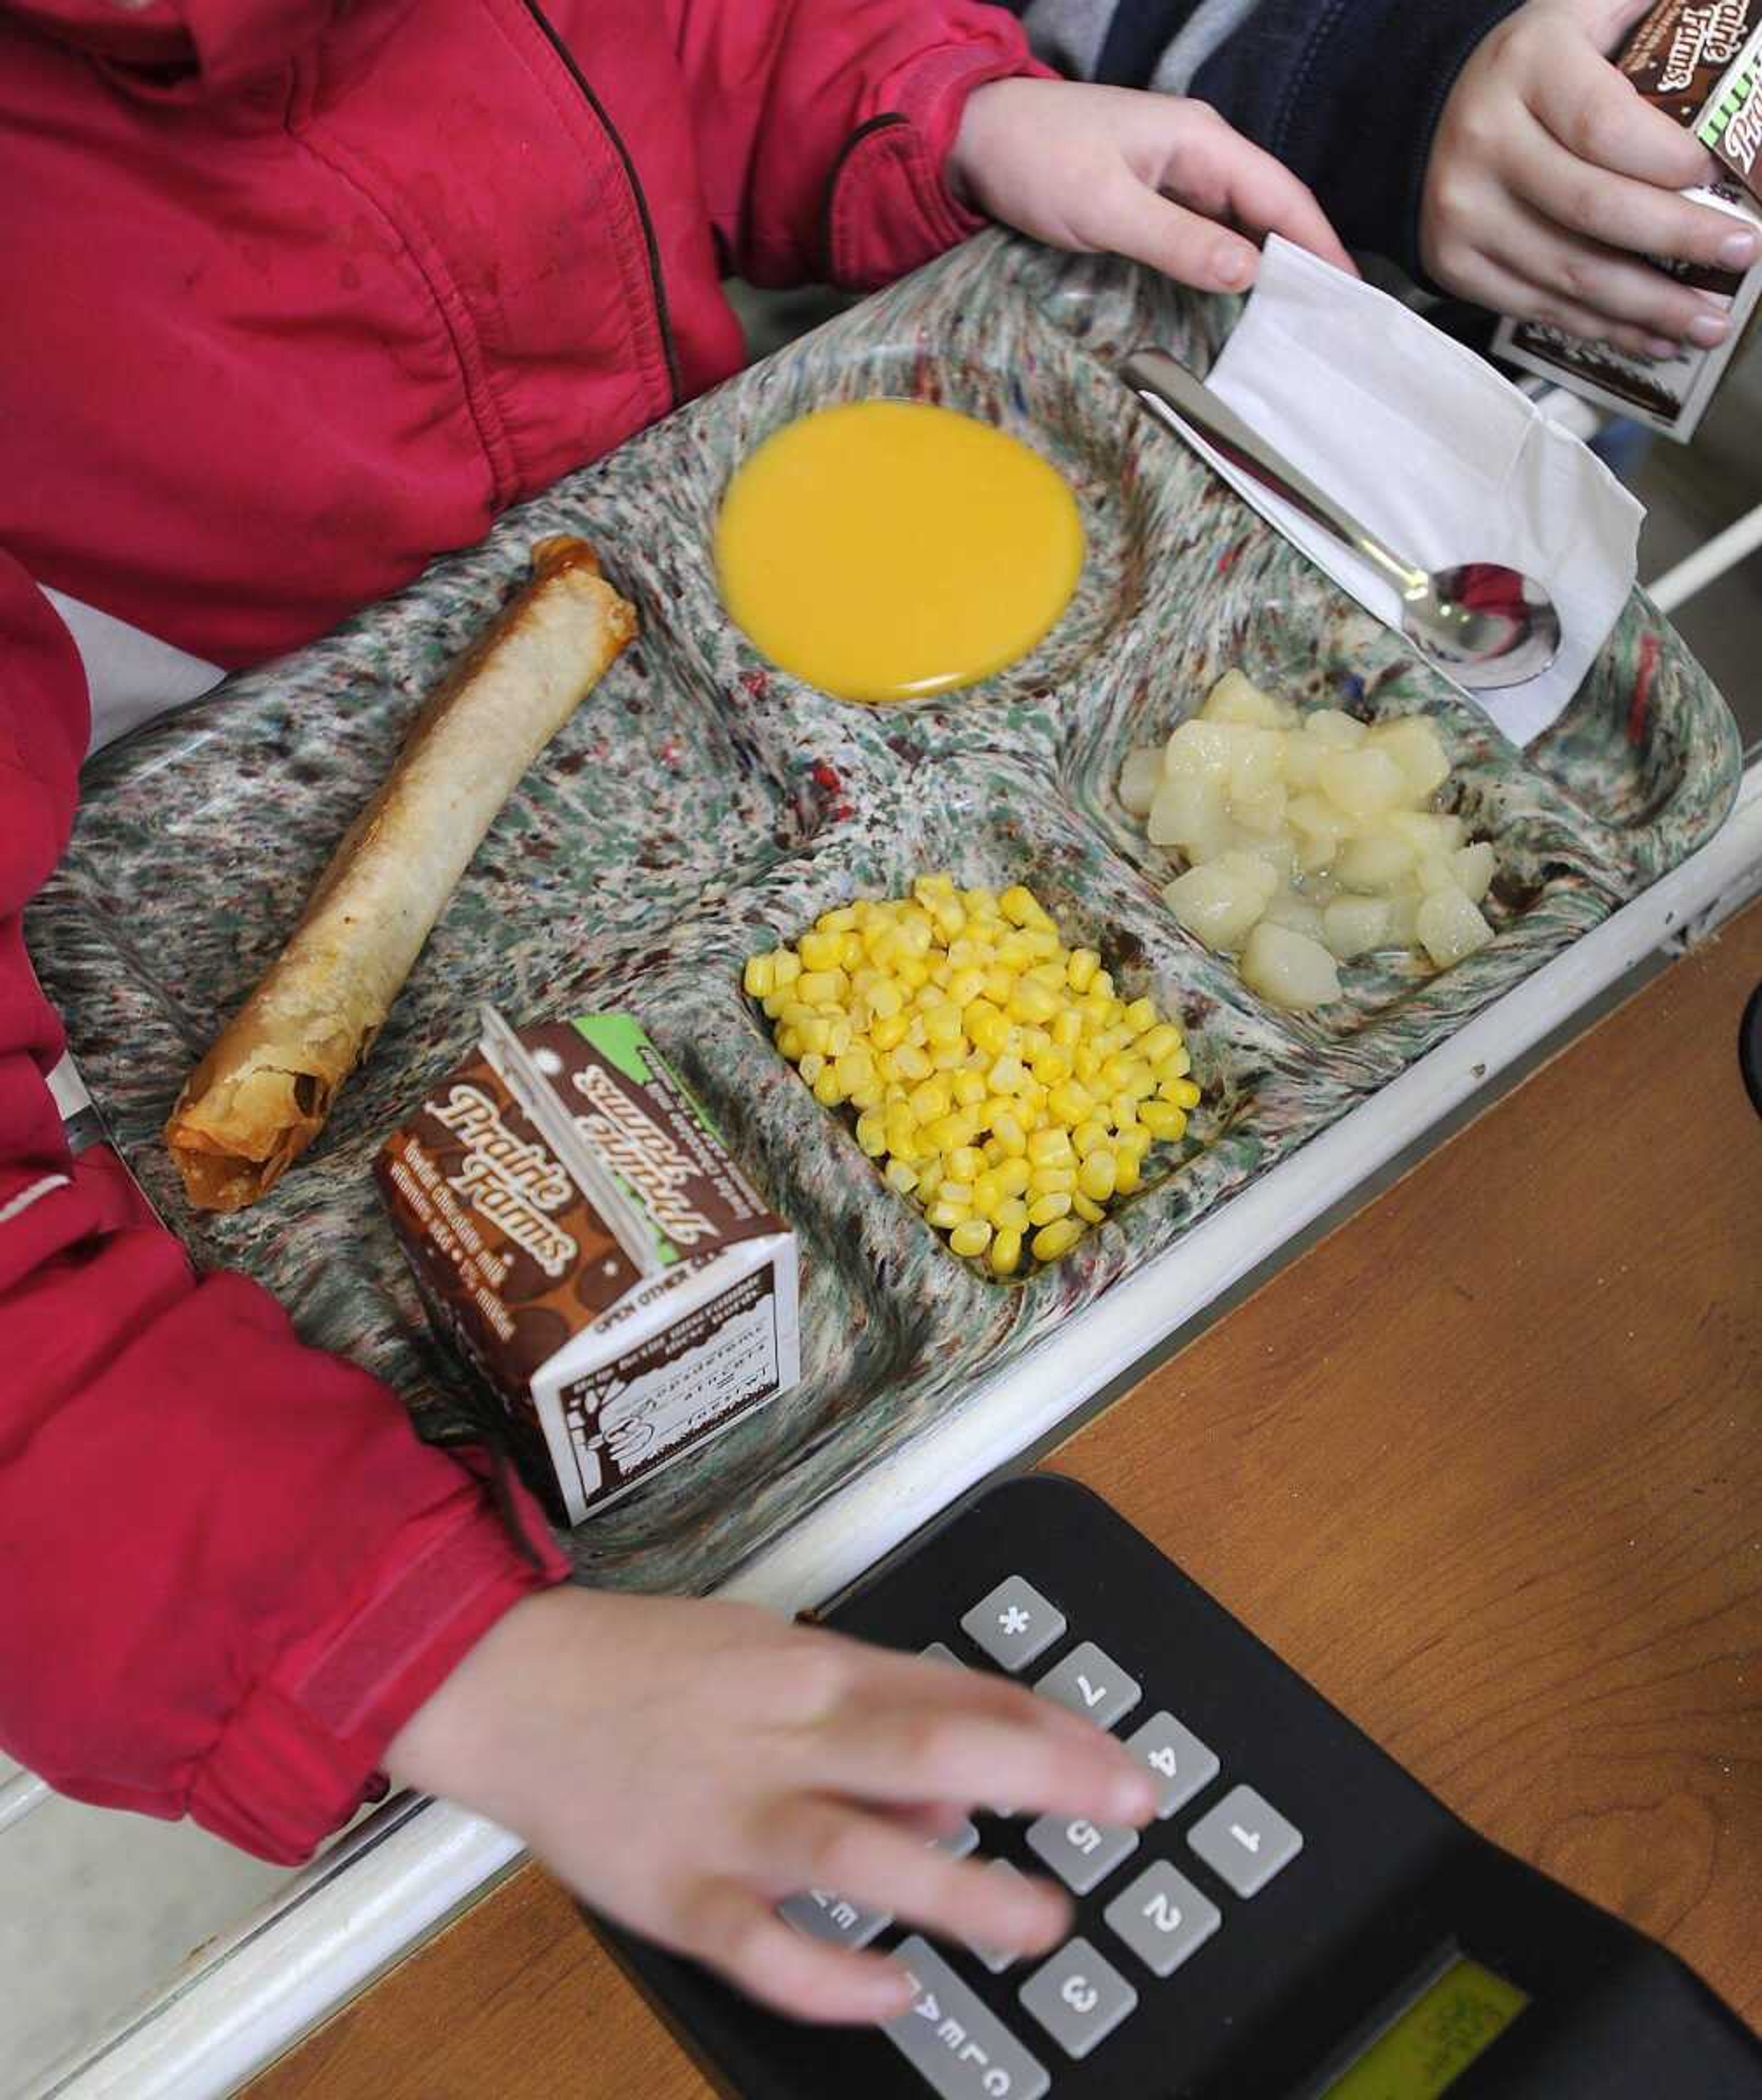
pixel 1456 2018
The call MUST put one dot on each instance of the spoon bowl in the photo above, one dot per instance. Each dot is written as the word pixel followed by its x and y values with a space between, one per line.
pixel 1485 626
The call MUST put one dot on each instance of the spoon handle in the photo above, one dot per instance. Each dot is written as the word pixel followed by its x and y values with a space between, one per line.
pixel 1169 391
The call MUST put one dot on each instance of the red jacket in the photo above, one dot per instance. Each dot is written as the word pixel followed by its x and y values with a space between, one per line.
pixel 298 294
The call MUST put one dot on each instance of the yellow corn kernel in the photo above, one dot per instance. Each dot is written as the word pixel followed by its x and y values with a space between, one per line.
pixel 1013 1176
pixel 850 950
pixel 1011 1215
pixel 949 1132
pixel 1052 1181
pixel 826 1090
pixel 1000 982
pixel 987 1192
pixel 1051 1066
pixel 872 1133
pixel 1053 1243
pixel 965 1164
pixel 1101 985
pixel 971 1238
pixel 1050 1148
pixel 1163 1119
pixel 1007 1253
pixel 980 903
pixel 1008 1131
pixel 912 972
pixel 885 999
pixel 789 1044
pixel 1085 1064
pixel 1133 1138
pixel 839 1035
pixel 821 987
pixel 942 1024
pixel 1080 970
pixel 760 977
pixel 969 1089
pixel 820 951
pixel 995 1155
pixel 939 883
pixel 856 1068
pixel 1071 1101
pixel 1140 1082
pixel 1091 1214
pixel 811 1065
pixel 1089 1136
pixel 987 1029
pixel 911 1063
pixel 945 1215
pixel 901 1176
pixel 1130 1175
pixel 1051 975
pixel 1032 1002
pixel 948 1057
pixel 1158 1042
pixel 965 984
pixel 1140 1016
pixel 787 967
pixel 949 918
pixel 839 919
pixel 1183 1093
pixel 774 1003
pixel 1007 1074
pixel 865 1098
pixel 1017 905
pixel 886 1031
pixel 1098 1177
pixel 1031 1044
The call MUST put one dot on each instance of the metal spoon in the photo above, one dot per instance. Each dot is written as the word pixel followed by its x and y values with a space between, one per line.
pixel 1483 624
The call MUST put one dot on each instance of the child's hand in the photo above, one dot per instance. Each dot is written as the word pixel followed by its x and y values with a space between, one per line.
pixel 1112 170
pixel 1549 176
pixel 683 1766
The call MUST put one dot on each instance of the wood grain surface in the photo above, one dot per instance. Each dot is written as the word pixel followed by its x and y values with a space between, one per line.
pixel 1485 1466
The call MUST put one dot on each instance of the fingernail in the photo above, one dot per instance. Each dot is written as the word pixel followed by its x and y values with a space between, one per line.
pixel 1235 268
pixel 1708 330
pixel 1660 346
pixel 1737 251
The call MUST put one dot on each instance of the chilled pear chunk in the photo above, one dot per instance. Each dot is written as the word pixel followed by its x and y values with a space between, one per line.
pixel 1289 969
pixel 1140 777
pixel 1309 841
pixel 1450 927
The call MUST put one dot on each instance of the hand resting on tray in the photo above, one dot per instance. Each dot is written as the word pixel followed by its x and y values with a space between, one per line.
pixel 1111 170
pixel 1550 180
pixel 683 1766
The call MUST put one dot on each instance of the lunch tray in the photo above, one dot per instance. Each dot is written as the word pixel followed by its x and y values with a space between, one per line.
pixel 701 805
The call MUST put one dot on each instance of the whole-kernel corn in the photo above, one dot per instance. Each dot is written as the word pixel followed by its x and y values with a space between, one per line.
pixel 997 1078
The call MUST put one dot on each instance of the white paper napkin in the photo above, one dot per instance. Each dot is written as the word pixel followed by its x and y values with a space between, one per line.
pixel 1440 456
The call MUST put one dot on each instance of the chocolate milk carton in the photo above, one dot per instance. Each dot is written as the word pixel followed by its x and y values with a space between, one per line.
pixel 584 1241
pixel 1700 61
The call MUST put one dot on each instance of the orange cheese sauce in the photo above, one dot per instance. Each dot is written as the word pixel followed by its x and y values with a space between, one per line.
pixel 886 550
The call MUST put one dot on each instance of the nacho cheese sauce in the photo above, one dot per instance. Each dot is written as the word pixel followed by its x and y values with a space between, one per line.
pixel 888 550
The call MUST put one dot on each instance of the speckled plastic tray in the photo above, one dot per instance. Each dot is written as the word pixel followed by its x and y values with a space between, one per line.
pixel 701 805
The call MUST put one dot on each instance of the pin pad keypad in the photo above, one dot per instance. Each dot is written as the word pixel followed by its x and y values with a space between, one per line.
pixel 1148 1902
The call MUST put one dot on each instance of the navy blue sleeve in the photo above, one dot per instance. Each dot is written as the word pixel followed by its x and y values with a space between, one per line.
pixel 1347 93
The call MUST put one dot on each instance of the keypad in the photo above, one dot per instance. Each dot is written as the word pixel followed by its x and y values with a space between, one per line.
pixel 1139 1924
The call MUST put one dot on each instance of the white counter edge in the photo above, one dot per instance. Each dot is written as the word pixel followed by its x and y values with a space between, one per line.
pixel 258 1991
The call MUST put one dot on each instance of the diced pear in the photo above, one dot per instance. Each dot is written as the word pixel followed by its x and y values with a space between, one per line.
pixel 1216 905
pixel 1375 862
pixel 1474 867
pixel 1278 853
pixel 1337 731
pixel 1414 746
pixel 1289 969
pixel 1435 871
pixel 1251 868
pixel 1261 813
pixel 1202 748
pixel 1236 698
pixel 1296 914
pixel 1404 919
pixel 1319 828
pixel 1428 831
pixel 1302 763
pixel 1140 777
pixel 1355 925
pixel 1450 927
pixel 1183 805
pixel 1363 783
pixel 1258 762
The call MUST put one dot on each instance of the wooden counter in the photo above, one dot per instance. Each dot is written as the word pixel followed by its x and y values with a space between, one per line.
pixel 1486 1467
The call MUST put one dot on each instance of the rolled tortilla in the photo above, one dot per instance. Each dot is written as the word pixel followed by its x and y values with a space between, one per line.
pixel 262 1092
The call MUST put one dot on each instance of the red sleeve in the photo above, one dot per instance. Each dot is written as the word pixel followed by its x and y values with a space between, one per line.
pixel 231 1571
pixel 822 127
pixel 227 40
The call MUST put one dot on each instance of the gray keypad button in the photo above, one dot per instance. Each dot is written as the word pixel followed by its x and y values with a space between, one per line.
pixel 953 2038
pixel 995 1958
pixel 1080 1853
pixel 1182 1763
pixel 1078 1997
pixel 1245 1841
pixel 1014 1625
pixel 1163 1918
pixel 1090 1683
pixel 821 1915
pixel 940 1652
pixel 957 1843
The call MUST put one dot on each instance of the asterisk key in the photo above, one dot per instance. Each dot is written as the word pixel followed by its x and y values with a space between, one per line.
pixel 1015 1620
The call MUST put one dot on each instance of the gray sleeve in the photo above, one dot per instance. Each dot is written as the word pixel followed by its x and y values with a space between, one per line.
pixel 1073 35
